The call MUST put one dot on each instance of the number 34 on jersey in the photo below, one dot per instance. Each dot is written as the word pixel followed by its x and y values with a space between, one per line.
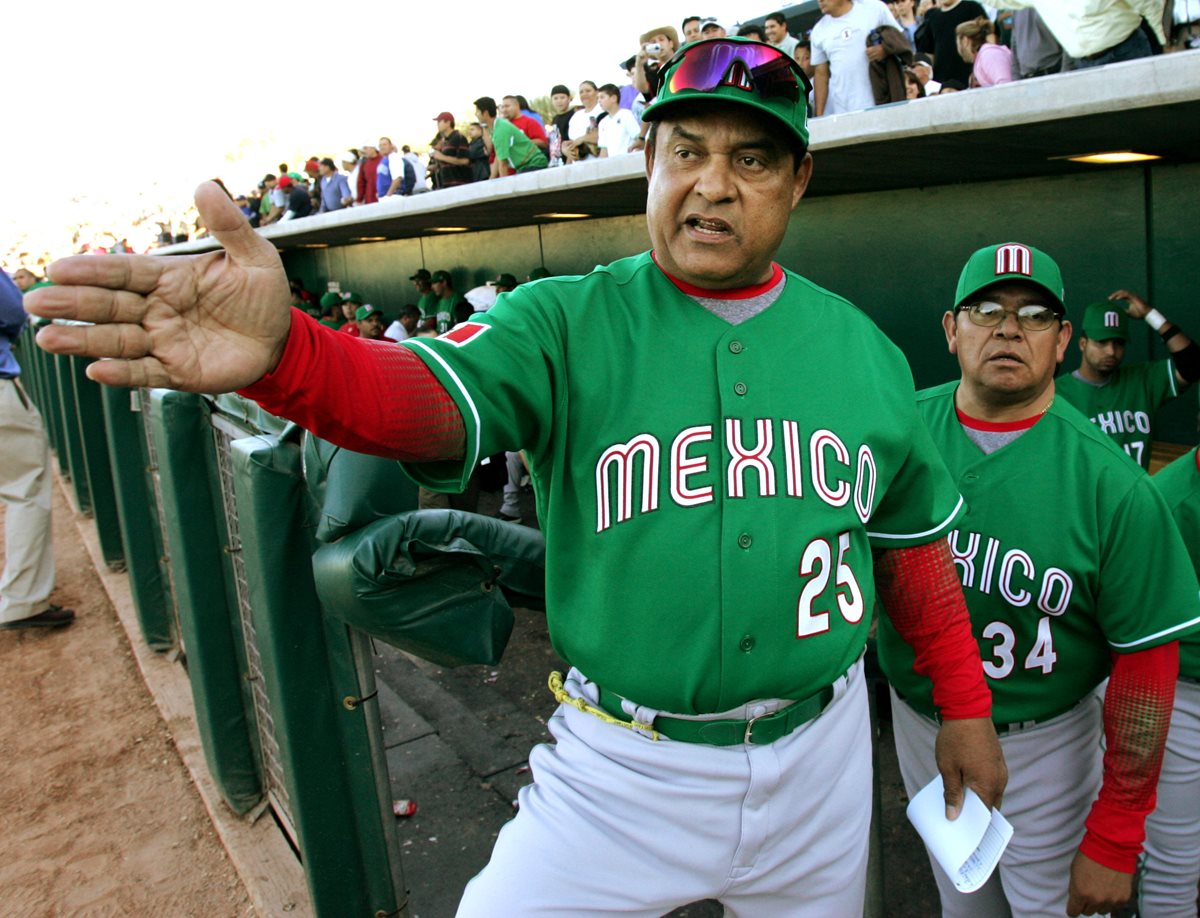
pixel 1010 577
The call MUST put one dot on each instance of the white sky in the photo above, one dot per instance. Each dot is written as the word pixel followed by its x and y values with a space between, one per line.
pixel 108 101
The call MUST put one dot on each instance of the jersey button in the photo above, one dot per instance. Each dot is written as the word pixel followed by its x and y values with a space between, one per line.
pixel 744 540
pixel 735 347
pixel 746 644
pixel 739 388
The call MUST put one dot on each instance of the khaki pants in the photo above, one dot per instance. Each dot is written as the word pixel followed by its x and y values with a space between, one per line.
pixel 28 576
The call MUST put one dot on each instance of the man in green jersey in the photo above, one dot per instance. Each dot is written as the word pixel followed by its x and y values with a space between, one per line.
pixel 452 308
pixel 428 300
pixel 1122 400
pixel 1054 554
pixel 710 551
pixel 514 151
pixel 1172 864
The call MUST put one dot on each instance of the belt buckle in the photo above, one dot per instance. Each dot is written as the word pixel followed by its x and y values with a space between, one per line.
pixel 748 739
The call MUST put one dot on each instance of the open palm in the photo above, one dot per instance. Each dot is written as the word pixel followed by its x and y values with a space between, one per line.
pixel 201 323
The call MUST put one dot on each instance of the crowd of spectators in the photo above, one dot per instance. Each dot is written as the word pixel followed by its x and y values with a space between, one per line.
pixel 858 54
pixel 863 53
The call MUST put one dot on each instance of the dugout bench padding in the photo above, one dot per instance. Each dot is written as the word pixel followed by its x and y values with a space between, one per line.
pixel 137 517
pixel 322 712
pixel 195 542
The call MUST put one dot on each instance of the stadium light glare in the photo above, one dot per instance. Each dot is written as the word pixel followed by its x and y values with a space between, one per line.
pixel 1110 158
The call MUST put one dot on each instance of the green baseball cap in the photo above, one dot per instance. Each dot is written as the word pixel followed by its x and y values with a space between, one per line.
pixel 737 70
pixel 354 298
pixel 365 312
pixel 330 299
pixel 538 273
pixel 439 276
pixel 1011 261
pixel 1104 321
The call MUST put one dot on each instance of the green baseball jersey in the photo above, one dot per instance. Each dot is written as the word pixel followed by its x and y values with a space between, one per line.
pixel 445 312
pixel 511 144
pixel 710 493
pixel 1179 484
pixel 1066 553
pixel 1124 407
pixel 428 304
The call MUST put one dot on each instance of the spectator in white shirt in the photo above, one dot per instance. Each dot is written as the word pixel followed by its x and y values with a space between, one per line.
pixel 841 54
pixel 350 167
pixel 405 325
pixel 582 134
pixel 618 130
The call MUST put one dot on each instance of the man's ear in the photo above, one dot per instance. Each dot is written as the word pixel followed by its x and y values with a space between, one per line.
pixel 803 174
pixel 950 327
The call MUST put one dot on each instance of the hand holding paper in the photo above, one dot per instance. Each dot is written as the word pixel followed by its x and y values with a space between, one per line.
pixel 967 848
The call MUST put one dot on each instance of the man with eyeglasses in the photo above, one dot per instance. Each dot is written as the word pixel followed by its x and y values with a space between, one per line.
pixel 1122 400
pixel 1073 572
pixel 713 553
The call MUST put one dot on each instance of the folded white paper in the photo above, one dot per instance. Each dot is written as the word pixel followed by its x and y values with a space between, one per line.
pixel 967 849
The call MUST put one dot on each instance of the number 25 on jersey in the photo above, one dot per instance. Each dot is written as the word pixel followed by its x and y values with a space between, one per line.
pixel 818 565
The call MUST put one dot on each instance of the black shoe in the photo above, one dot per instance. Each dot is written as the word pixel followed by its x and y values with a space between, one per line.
pixel 53 617
pixel 501 515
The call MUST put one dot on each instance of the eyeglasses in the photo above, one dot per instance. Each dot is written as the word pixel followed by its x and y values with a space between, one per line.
pixel 768 71
pixel 1030 317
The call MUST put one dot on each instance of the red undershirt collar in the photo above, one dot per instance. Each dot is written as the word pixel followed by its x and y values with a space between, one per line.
pixel 738 293
pixel 997 426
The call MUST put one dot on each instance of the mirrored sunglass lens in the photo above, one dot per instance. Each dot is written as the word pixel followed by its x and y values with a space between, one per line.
pixel 706 66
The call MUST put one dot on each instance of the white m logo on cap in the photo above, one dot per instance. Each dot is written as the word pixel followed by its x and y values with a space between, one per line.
pixel 1112 320
pixel 1014 258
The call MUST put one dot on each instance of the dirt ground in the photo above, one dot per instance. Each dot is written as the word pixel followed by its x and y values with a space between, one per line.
pixel 100 816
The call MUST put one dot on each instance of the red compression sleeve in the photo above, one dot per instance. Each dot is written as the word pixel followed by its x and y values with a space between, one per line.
pixel 367 396
pixel 919 589
pixel 1137 715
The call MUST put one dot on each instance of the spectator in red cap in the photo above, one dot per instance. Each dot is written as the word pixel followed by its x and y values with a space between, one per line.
pixel 299 204
pixel 312 169
pixel 448 154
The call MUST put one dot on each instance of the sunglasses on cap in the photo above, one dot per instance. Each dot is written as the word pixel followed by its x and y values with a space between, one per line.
pixel 705 65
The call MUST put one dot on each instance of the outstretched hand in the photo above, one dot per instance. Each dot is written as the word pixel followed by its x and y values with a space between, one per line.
pixel 201 323
pixel 968 755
